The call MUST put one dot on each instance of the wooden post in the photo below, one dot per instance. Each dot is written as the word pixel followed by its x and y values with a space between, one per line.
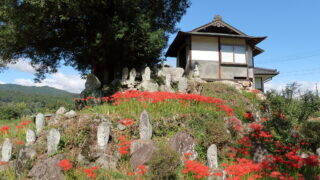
pixel 219 48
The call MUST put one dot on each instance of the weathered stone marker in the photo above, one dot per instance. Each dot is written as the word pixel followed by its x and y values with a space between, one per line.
pixel 183 143
pixel 6 150
pixel 132 76
pixel 53 139
pixel 145 127
pixel 146 76
pixel 212 156
pixel 103 134
pixel 30 137
pixel 183 85
pixel 40 123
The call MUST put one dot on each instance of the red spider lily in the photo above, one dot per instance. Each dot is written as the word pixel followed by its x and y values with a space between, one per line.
pixel 255 91
pixel 275 174
pixel 90 172
pixel 130 173
pixel 127 121
pixel 5 129
pixel 25 123
pixel 248 115
pixel 255 126
pixel 242 167
pixel 196 168
pixel 19 142
pixel 312 160
pixel 19 127
pixel 3 163
pixel 123 146
pixel 142 170
pixel 65 164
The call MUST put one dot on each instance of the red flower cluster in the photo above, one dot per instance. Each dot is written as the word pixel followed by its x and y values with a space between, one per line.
pixel 248 115
pixel 65 164
pixel 127 121
pixel 5 129
pixel 124 145
pixel 255 91
pixel 196 168
pixel 141 170
pixel 199 170
pixel 25 123
pixel 242 168
pixel 90 172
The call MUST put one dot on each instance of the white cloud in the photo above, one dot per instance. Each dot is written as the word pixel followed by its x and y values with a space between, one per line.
pixel 304 86
pixel 71 83
pixel 1 82
pixel 22 65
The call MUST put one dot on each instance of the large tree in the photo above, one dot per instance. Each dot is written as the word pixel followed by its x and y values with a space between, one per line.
pixel 98 36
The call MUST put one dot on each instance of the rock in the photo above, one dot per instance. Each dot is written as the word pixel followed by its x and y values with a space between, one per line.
pixel 145 127
pixel 26 155
pixel 176 73
pixel 108 161
pixel 53 139
pixel 121 127
pixel 40 123
pixel 125 74
pixel 54 119
pixel 261 96
pixel 149 86
pixel 82 160
pixel 183 143
pixel 137 144
pixel 30 137
pixel 259 154
pixel 92 83
pixel 183 85
pixel 146 74
pixel 195 86
pixel 61 111
pixel 166 88
pixel 103 134
pixel 318 151
pixel 70 114
pixel 142 155
pixel 212 157
pixel 6 150
pixel 47 169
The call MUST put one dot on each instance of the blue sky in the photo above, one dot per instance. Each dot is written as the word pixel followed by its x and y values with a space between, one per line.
pixel 292 45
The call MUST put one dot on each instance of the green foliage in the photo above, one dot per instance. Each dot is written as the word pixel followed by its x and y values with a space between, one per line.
pixel 311 133
pixel 101 35
pixel 240 102
pixel 17 101
pixel 164 163
pixel 208 129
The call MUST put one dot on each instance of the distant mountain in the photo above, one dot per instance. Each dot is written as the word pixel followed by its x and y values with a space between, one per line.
pixel 17 100
pixel 43 90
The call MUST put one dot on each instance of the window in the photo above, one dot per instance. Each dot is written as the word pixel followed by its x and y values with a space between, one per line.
pixel 233 54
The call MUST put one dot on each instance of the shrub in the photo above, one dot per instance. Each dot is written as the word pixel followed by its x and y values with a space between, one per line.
pixel 164 163
pixel 311 133
pixel 216 133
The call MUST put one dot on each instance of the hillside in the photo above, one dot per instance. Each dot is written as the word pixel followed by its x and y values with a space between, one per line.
pixel 17 100
pixel 164 135
pixel 43 90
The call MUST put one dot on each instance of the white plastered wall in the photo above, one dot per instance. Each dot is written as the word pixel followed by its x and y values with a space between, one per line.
pixel 205 48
